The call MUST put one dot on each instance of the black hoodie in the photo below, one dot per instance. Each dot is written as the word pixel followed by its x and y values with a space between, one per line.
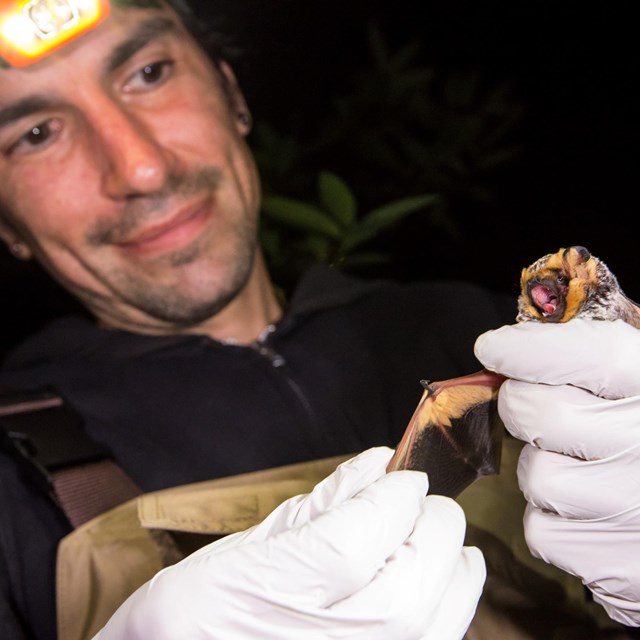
pixel 340 373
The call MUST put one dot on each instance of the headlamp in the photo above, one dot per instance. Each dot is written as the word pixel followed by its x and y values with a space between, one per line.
pixel 31 29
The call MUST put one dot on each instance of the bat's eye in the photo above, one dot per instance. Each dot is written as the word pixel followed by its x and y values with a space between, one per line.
pixel 562 278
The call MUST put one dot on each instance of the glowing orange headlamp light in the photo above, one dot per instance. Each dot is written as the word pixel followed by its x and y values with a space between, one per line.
pixel 31 29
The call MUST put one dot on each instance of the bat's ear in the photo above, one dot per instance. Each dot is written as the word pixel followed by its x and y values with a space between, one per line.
pixel 582 254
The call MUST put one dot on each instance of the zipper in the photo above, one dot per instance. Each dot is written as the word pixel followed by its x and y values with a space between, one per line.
pixel 266 351
pixel 277 361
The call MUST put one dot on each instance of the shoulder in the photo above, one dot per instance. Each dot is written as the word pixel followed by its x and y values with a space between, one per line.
pixel 30 528
pixel 322 288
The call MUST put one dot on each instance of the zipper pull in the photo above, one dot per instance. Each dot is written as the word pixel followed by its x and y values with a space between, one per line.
pixel 261 346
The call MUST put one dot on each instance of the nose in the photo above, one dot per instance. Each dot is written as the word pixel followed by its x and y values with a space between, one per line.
pixel 133 160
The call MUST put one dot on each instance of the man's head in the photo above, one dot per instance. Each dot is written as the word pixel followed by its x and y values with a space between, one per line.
pixel 124 168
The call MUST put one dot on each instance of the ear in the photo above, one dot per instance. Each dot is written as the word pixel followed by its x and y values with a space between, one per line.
pixel 16 245
pixel 237 103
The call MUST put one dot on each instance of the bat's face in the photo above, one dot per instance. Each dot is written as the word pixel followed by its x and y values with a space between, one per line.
pixel 563 285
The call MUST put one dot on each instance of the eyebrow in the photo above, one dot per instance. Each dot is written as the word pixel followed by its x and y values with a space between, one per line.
pixel 23 108
pixel 140 38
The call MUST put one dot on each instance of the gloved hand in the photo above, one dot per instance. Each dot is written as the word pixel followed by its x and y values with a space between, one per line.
pixel 365 555
pixel 580 472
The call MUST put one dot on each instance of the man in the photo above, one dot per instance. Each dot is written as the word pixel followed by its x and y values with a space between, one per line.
pixel 125 172
pixel 149 218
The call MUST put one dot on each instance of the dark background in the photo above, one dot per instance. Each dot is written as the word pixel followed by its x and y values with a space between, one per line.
pixel 572 65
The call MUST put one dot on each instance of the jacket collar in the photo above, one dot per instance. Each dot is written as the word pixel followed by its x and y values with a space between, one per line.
pixel 319 288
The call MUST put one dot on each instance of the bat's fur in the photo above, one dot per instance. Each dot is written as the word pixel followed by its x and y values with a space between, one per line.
pixel 454 433
pixel 572 283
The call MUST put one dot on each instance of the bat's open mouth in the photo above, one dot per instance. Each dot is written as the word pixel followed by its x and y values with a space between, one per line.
pixel 544 298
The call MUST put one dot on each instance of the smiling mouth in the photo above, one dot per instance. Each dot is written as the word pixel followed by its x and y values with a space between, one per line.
pixel 171 235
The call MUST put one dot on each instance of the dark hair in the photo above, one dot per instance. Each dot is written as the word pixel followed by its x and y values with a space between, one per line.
pixel 212 34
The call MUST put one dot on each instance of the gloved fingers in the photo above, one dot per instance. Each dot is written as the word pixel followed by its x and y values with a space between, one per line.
pixel 349 478
pixel 603 357
pixel 285 581
pixel 460 599
pixel 378 566
pixel 604 554
pixel 569 420
pixel 579 489
pixel 571 544
pixel 352 540
pixel 624 610
pixel 405 597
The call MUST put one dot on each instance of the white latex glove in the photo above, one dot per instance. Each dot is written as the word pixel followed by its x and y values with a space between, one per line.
pixel 580 472
pixel 365 555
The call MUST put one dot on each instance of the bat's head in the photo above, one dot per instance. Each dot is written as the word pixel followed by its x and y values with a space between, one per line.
pixel 564 285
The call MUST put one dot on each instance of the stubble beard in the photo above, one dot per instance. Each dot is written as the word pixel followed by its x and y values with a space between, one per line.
pixel 181 306
pixel 195 302
pixel 174 306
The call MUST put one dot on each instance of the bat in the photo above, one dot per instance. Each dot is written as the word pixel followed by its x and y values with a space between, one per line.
pixel 455 433
pixel 572 283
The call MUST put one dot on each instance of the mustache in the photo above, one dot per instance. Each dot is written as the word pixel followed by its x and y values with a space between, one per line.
pixel 140 209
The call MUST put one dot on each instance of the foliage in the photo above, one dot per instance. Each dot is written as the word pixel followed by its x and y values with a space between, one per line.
pixel 404 133
pixel 330 229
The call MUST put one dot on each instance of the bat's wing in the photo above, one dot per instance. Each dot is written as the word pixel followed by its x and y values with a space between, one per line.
pixel 455 434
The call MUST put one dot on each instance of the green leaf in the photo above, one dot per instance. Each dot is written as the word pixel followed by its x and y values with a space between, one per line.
pixel 300 215
pixel 369 259
pixel 318 247
pixel 336 196
pixel 383 217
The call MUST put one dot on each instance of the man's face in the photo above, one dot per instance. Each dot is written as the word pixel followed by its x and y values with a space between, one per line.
pixel 124 170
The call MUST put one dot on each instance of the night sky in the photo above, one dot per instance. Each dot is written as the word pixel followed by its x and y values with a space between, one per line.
pixel 572 65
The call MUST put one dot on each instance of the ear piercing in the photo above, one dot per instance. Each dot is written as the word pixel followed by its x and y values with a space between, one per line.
pixel 244 117
pixel 17 249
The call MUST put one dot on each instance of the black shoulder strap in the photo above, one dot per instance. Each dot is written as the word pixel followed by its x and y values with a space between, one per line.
pixel 46 436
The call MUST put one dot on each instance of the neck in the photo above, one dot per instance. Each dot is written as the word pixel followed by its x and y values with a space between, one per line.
pixel 247 317
pixel 242 321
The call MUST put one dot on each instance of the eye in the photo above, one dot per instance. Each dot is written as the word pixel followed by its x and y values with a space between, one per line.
pixel 37 137
pixel 153 72
pixel 149 76
pixel 562 279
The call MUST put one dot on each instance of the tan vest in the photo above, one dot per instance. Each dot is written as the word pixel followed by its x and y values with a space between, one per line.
pixel 103 561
